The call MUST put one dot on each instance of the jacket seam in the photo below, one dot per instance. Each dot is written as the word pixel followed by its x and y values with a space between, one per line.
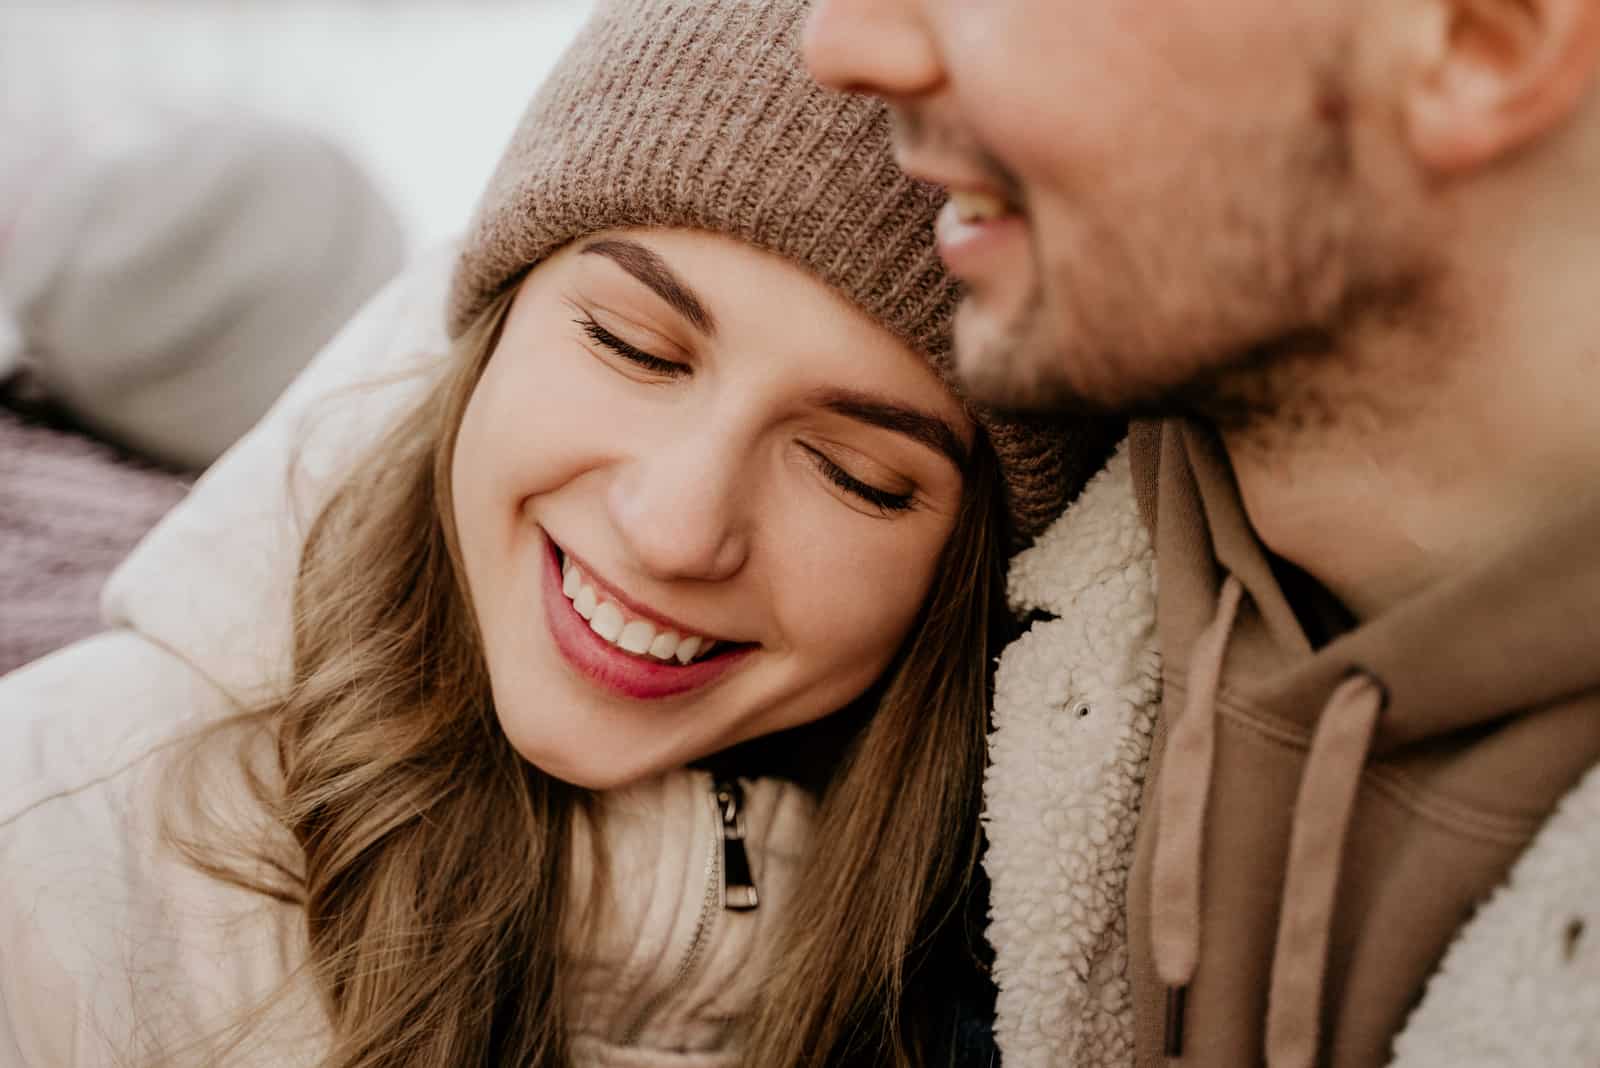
pixel 29 807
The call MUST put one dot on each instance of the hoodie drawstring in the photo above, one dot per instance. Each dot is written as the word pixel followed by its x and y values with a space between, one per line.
pixel 1322 812
pixel 1181 815
pixel 1323 807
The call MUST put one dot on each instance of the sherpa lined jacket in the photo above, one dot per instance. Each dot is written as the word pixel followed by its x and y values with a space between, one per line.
pixel 1077 716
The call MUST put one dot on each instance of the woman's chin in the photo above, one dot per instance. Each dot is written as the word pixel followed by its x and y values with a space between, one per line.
pixel 579 756
pixel 595 778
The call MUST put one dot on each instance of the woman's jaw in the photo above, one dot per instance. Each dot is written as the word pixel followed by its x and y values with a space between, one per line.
pixel 622 647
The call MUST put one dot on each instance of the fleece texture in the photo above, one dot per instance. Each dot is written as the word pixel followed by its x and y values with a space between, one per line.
pixel 1074 713
pixel 1521 984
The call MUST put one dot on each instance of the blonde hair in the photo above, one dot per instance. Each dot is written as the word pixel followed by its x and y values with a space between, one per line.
pixel 392 773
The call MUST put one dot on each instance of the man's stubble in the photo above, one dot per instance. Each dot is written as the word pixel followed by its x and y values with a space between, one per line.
pixel 1239 301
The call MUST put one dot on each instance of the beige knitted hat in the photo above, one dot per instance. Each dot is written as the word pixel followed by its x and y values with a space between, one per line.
pixel 700 114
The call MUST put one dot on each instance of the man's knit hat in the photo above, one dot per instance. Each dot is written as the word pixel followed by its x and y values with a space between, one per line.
pixel 699 114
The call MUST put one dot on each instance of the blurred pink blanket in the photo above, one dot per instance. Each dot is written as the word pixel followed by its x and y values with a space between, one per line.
pixel 70 510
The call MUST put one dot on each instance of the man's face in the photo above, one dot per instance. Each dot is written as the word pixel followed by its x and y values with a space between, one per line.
pixel 1146 193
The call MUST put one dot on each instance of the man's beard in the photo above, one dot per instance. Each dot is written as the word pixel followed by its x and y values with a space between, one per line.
pixel 1227 311
pixel 1280 392
pixel 1019 369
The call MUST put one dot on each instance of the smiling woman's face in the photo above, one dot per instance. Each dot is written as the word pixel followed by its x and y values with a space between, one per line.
pixel 700 498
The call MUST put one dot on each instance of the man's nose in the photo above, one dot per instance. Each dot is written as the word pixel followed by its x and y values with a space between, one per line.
pixel 872 46
pixel 684 511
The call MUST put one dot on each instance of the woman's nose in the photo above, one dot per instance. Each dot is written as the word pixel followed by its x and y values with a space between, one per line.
pixel 683 511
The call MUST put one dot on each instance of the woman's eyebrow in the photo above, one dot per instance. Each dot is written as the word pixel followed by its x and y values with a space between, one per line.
pixel 879 411
pixel 653 271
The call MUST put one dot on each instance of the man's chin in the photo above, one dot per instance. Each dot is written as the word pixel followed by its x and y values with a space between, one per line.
pixel 1026 366
pixel 1013 365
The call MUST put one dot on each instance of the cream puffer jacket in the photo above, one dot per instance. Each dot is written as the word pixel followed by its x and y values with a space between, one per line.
pixel 114 951
pixel 1074 717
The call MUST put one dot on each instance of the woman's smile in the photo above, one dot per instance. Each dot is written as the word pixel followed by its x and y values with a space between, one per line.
pixel 619 645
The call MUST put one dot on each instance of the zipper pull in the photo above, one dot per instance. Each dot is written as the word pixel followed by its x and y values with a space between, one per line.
pixel 738 887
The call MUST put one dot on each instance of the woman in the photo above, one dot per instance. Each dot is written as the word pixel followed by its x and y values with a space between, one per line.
pixel 636 711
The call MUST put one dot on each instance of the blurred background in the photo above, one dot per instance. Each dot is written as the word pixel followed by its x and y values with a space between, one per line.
pixel 423 93
pixel 194 196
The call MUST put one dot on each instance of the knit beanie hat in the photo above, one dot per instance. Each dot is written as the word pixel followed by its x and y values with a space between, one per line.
pixel 699 114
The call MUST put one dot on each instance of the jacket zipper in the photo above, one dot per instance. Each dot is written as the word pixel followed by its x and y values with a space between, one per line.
pixel 738 886
pixel 728 885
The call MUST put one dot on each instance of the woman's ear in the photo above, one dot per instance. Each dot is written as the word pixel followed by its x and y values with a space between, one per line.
pixel 1495 75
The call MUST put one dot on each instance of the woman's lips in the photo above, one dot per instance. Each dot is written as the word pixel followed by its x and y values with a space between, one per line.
pixel 612 669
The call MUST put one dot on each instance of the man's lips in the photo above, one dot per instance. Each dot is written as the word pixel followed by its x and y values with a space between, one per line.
pixel 981 229
pixel 962 178
pixel 981 237
pixel 978 205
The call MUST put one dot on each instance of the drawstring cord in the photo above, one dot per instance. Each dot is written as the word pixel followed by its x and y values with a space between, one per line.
pixel 1181 813
pixel 1322 812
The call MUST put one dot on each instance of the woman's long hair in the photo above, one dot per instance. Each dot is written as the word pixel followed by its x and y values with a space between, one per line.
pixel 394 780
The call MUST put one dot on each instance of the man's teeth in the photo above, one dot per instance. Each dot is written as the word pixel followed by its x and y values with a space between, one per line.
pixel 973 207
pixel 637 636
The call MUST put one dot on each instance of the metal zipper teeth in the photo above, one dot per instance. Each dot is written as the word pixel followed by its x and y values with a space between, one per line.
pixel 710 905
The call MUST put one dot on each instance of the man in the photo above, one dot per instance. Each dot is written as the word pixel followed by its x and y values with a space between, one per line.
pixel 1348 252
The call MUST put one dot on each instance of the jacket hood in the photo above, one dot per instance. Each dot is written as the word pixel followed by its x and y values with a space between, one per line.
pixel 235 540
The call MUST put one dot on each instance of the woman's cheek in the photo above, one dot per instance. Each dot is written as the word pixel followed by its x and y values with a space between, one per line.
pixel 546 417
pixel 856 601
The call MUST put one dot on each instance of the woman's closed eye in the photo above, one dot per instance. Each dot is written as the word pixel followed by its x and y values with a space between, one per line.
pixel 885 501
pixel 632 353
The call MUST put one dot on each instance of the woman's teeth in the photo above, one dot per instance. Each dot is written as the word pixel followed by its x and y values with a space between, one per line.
pixel 974 207
pixel 637 636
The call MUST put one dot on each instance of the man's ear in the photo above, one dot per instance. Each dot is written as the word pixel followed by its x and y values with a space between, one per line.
pixel 1495 75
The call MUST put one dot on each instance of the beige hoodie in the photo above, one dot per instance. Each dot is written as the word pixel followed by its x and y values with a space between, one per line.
pixel 1323 812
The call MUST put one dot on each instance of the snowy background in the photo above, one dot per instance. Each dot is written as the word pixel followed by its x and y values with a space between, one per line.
pixel 424 94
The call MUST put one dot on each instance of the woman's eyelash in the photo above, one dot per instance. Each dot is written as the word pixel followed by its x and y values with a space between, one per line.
pixel 882 500
pixel 601 336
